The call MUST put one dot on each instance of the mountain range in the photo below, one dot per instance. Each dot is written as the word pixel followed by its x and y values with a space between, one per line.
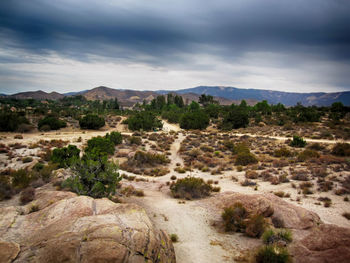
pixel 225 95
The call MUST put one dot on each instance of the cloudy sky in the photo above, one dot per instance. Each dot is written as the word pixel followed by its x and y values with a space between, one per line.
pixel 71 45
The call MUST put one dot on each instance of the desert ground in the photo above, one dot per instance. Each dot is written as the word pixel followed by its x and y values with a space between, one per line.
pixel 191 220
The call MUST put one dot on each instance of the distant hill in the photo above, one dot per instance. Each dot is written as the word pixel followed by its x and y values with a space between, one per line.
pixel 274 97
pixel 38 95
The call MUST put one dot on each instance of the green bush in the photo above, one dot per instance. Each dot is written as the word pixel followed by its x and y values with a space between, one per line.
pixel 307 154
pixel 245 158
pixel 94 176
pixel 115 137
pixel 341 149
pixel 234 217
pixel 64 156
pixel 297 142
pixel 194 120
pixel 144 120
pixel 271 236
pixel 272 254
pixel 101 145
pixel 140 158
pixel 92 122
pixel 190 187
pixel 282 152
pixel 255 226
pixel 21 178
pixel 52 122
pixel 11 121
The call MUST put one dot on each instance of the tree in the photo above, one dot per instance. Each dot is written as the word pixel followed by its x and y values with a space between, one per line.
pixel 94 176
pixel 144 120
pixel 91 121
pixel 206 100
pixel 237 117
pixel 101 145
pixel 52 122
pixel 65 156
pixel 194 120
pixel 115 137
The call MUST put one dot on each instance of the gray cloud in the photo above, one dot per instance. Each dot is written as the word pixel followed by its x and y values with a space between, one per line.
pixel 180 35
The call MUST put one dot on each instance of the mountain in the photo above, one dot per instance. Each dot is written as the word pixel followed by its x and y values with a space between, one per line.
pixel 38 95
pixel 125 97
pixel 274 97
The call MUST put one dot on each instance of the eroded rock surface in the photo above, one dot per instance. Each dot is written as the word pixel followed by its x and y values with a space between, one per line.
pixel 326 243
pixel 70 228
pixel 294 217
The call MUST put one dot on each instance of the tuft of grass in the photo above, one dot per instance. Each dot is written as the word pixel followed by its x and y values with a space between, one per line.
pixel 272 254
pixel 174 238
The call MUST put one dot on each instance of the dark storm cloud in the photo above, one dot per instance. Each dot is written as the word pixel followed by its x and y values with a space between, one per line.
pixel 159 30
pixel 262 36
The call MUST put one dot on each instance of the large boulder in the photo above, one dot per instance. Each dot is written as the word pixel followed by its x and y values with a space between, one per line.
pixel 70 228
pixel 292 216
pixel 326 243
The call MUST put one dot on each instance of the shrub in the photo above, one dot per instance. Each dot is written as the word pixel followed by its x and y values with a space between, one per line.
pixel 272 254
pixel 27 195
pixel 297 142
pixel 10 121
pixel 6 190
pixel 143 120
pixel 92 122
pixel 346 215
pixel 27 159
pixel 20 178
pixel 270 236
pixel 115 137
pixel 307 154
pixel 194 120
pixel 94 176
pixel 244 158
pixel 283 152
pixel 190 187
pixel 101 145
pixel 135 140
pixel 52 122
pixel 255 226
pixel 234 217
pixel 174 238
pixel 65 156
pixel 341 149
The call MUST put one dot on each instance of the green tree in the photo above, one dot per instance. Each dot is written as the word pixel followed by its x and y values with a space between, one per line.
pixel 94 176
pixel 144 120
pixel 52 122
pixel 65 156
pixel 100 145
pixel 194 120
pixel 92 121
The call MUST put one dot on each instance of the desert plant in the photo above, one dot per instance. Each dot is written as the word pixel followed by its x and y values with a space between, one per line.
pixel 234 217
pixel 272 254
pixel 190 187
pixel 245 158
pixel 64 156
pixel 115 137
pixel 52 122
pixel 298 142
pixel 341 149
pixel 101 145
pixel 27 195
pixel 92 122
pixel 255 226
pixel 94 176
pixel 271 236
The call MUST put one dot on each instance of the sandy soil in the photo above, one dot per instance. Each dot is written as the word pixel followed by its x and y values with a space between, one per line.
pixel 198 241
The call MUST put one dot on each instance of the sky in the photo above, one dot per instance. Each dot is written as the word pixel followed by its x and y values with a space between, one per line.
pixel 73 45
